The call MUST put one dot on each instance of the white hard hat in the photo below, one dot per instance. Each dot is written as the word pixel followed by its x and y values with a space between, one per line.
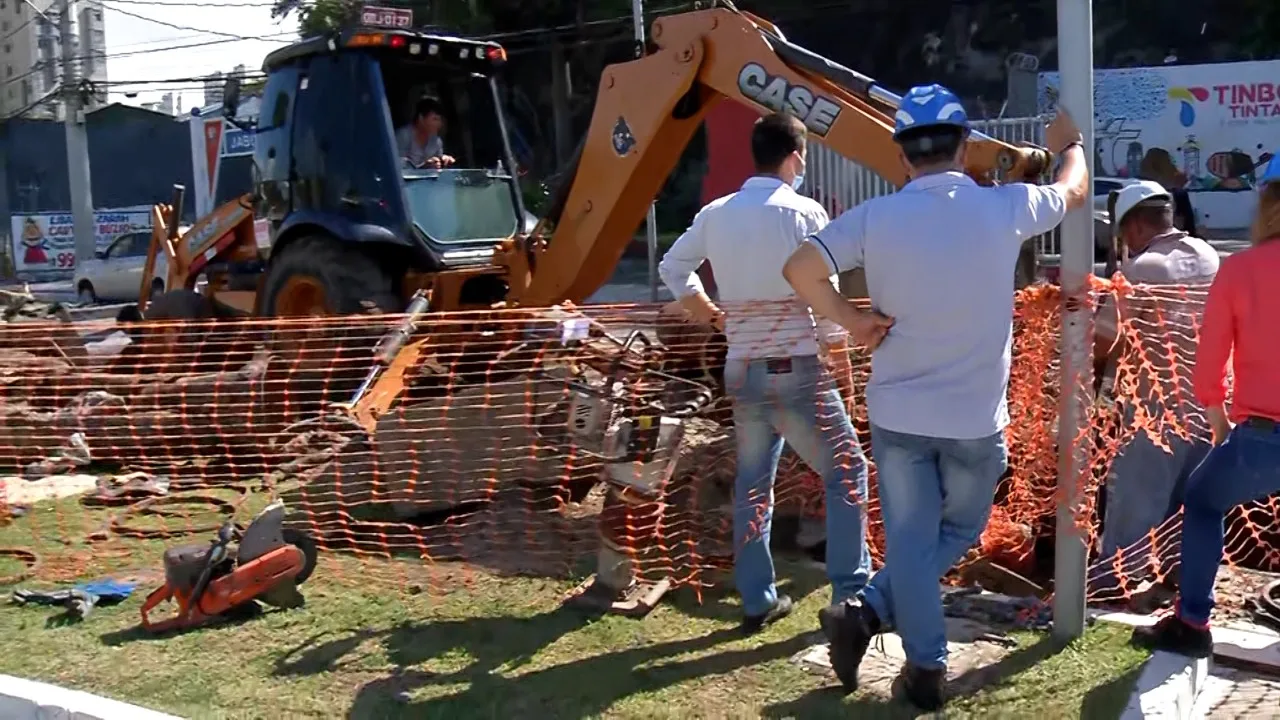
pixel 1131 196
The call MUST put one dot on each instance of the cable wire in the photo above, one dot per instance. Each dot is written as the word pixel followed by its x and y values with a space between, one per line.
pixel 277 38
pixel 175 26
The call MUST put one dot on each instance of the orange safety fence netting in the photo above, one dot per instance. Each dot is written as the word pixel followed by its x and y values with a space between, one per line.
pixel 498 436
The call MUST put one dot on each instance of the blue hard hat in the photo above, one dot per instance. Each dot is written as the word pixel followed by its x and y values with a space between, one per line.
pixel 1272 172
pixel 929 106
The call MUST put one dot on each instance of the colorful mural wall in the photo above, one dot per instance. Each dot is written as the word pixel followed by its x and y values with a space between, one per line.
pixel 1209 129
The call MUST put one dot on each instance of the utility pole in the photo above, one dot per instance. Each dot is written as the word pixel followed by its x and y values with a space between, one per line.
pixel 1075 71
pixel 77 141
pixel 651 220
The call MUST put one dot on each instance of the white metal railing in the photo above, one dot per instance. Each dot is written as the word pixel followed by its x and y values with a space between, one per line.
pixel 840 183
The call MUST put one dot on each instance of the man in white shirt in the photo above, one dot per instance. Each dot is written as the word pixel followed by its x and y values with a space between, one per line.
pixel 420 143
pixel 780 387
pixel 1143 485
pixel 939 257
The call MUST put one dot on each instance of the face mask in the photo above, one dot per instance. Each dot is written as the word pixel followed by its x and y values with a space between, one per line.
pixel 798 181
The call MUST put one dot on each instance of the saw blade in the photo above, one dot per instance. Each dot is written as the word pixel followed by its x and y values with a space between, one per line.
pixel 285 595
pixel 310 552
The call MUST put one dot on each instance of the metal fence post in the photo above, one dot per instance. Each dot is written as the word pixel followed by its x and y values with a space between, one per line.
pixel 1075 64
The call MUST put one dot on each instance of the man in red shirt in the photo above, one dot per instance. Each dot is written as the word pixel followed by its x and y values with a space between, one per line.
pixel 1240 320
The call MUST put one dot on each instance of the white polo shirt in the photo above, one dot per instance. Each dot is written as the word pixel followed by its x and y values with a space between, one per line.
pixel 1164 318
pixel 939 257
pixel 748 236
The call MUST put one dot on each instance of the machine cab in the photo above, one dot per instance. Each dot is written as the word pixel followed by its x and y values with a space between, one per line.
pixel 338 114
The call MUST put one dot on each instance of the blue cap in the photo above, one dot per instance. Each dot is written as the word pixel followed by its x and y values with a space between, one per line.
pixel 1272 173
pixel 930 106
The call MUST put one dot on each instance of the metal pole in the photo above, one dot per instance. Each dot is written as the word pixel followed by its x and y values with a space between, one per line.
pixel 1075 67
pixel 651 220
pixel 77 142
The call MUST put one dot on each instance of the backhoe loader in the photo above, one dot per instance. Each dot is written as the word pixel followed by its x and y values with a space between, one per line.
pixel 354 229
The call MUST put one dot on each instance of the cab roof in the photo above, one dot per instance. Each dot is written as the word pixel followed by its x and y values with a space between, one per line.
pixel 466 52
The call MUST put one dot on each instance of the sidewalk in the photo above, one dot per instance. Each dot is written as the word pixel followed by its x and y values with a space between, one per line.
pixel 56 291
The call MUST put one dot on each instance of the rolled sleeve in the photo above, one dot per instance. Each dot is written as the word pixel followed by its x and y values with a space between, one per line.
pixel 1037 209
pixel 842 243
pixel 679 266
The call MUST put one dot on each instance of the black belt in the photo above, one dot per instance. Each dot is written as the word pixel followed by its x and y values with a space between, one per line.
pixel 1264 424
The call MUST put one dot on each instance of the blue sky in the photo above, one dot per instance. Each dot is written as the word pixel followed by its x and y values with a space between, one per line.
pixel 144 40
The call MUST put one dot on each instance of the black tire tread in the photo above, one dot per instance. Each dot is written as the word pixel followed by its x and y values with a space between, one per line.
pixel 353 280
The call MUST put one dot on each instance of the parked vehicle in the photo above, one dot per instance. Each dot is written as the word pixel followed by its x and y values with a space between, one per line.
pixel 116 273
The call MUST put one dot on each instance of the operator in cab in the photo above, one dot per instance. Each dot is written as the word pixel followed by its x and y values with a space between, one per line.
pixel 781 388
pixel 421 143
pixel 939 257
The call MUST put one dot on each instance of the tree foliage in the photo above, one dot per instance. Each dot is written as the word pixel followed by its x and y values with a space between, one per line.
pixel 471 16
pixel 318 17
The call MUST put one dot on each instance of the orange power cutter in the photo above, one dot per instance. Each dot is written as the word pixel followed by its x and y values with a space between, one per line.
pixel 207 582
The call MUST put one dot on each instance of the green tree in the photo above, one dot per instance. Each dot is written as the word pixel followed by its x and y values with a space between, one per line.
pixel 318 17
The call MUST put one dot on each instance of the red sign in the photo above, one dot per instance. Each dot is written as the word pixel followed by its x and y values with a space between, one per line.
pixel 212 144
pixel 374 16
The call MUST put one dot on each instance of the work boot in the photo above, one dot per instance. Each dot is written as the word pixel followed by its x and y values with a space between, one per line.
pixel 753 624
pixel 922 687
pixel 849 627
pixel 1172 634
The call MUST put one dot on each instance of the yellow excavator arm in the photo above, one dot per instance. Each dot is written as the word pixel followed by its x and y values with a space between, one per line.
pixel 227 232
pixel 648 109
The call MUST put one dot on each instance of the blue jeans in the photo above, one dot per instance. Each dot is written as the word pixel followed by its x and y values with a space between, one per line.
pixel 801 405
pixel 935 498
pixel 1245 467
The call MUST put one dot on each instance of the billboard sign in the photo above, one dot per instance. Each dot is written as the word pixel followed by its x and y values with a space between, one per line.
pixel 46 242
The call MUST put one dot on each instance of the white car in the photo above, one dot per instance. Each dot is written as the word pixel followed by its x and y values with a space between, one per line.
pixel 1102 187
pixel 116 273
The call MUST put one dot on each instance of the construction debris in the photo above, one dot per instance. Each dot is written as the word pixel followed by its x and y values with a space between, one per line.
pixel 74 454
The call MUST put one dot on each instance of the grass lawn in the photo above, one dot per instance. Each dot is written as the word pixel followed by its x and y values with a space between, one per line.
pixel 384 639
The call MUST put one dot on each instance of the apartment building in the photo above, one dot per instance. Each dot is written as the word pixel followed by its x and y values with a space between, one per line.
pixel 31 54
pixel 214 84
pixel 166 104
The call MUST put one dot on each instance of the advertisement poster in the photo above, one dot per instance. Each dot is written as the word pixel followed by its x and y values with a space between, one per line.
pixel 1209 129
pixel 45 242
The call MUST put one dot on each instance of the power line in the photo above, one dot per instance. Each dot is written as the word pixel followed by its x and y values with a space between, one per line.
pixel 175 26
pixel 178 81
pixel 19 29
pixel 107 56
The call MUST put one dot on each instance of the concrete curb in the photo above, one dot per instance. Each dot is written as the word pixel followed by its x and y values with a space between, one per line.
pixel 1169 683
pixel 26 699
pixel 1167 688
pixel 1174 686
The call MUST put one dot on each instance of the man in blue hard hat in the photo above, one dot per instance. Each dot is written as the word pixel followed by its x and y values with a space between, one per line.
pixel 939 257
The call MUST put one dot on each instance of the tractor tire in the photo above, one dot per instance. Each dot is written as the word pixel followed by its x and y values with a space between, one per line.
pixel 321 276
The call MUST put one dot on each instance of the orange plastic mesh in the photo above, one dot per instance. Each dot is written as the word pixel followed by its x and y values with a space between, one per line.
pixel 475 464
